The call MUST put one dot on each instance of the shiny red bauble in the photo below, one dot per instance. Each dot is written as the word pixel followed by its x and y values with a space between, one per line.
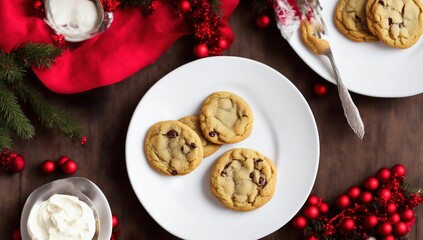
pixel 389 237
pixel 18 164
pixel 365 197
pixel 313 200
pixel 384 193
pixel 383 174
pixel 348 225
pixel 38 4
pixel 323 208
pixel 371 183
pixel 391 208
pixel 394 218
pixel 184 5
pixel 342 201
pixel 223 43
pixel 384 229
pixel 400 229
pixel 69 167
pixel 320 89
pixel 48 166
pixel 407 215
pixel 311 212
pixel 398 170
pixel 371 221
pixel 201 50
pixel 115 221
pixel 353 192
pixel 61 160
pixel 312 238
pixel 263 21
pixel 299 222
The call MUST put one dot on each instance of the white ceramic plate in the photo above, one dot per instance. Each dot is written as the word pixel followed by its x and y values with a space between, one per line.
pixel 370 68
pixel 284 130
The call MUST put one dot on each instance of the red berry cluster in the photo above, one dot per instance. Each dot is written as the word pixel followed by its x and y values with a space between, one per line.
pixel 11 162
pixel 380 208
pixel 64 163
pixel 115 232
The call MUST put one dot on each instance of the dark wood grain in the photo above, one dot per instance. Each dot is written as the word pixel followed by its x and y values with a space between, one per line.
pixel 394 134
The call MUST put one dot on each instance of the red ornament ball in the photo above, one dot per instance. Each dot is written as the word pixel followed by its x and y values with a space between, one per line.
pixel 353 192
pixel 365 197
pixel 299 222
pixel 311 212
pixel 323 208
pixel 391 208
pixel 348 225
pixel 69 167
pixel 201 50
pixel 313 200
pixel 184 5
pixel 398 170
pixel 223 43
pixel 38 4
pixel 383 174
pixel 342 201
pixel 48 166
pixel 18 164
pixel 394 218
pixel 371 221
pixel 400 229
pixel 384 229
pixel 312 238
pixel 62 160
pixel 371 183
pixel 407 215
pixel 389 237
pixel 115 221
pixel 320 89
pixel 384 193
pixel 16 234
pixel 263 21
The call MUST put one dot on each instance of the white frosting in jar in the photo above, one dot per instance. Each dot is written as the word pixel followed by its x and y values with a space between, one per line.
pixel 74 17
pixel 61 217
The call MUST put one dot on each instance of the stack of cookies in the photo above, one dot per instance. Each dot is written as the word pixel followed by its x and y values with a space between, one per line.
pixel 397 23
pixel 242 179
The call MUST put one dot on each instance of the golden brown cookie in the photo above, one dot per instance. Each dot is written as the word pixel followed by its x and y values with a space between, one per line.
pixel 243 179
pixel 350 19
pixel 225 118
pixel 194 123
pixel 397 23
pixel 173 148
pixel 317 45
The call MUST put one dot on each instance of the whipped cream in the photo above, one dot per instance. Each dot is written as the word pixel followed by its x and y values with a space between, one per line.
pixel 74 17
pixel 61 217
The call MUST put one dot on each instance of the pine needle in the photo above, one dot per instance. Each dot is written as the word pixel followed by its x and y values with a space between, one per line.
pixel 5 138
pixel 9 70
pixel 216 7
pixel 37 55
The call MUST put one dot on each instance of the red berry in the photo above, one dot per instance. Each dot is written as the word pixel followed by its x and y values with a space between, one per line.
pixel 263 21
pixel 353 192
pixel 320 89
pixel 384 174
pixel 312 238
pixel 115 221
pixel 394 218
pixel 69 167
pixel 313 200
pixel 342 201
pixel 223 43
pixel 348 225
pixel 311 212
pixel 19 164
pixel 389 237
pixel 201 50
pixel 365 197
pixel 400 229
pixel 398 170
pixel 299 222
pixel 384 193
pixel 407 215
pixel 371 183
pixel 16 234
pixel 48 166
pixel 324 208
pixel 38 4
pixel 385 229
pixel 61 160
pixel 184 5
pixel 371 221
pixel 391 208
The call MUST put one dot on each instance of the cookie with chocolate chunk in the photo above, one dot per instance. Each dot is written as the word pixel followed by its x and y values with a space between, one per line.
pixel 225 118
pixel 243 179
pixel 173 148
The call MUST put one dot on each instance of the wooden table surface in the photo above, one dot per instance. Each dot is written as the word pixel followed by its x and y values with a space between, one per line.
pixel 394 134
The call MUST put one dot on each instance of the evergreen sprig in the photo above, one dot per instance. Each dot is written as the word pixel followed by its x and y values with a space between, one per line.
pixel 14 91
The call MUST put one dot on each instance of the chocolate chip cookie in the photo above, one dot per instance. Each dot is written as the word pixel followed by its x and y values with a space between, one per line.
pixel 173 148
pixel 194 123
pixel 397 23
pixel 243 179
pixel 317 45
pixel 350 19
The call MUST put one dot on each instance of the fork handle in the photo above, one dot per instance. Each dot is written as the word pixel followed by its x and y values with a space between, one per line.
pixel 350 109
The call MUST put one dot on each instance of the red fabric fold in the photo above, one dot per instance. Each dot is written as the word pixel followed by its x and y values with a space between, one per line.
pixel 132 42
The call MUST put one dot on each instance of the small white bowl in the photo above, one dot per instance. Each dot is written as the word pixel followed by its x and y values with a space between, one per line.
pixel 79 187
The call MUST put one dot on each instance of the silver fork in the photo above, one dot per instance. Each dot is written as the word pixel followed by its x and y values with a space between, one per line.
pixel 350 109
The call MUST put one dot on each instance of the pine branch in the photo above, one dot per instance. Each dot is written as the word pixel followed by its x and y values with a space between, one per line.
pixel 36 54
pixel 9 70
pixel 5 138
pixel 216 7
pixel 13 115
pixel 49 116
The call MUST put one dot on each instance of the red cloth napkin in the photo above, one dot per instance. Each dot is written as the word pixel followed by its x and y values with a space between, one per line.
pixel 132 42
